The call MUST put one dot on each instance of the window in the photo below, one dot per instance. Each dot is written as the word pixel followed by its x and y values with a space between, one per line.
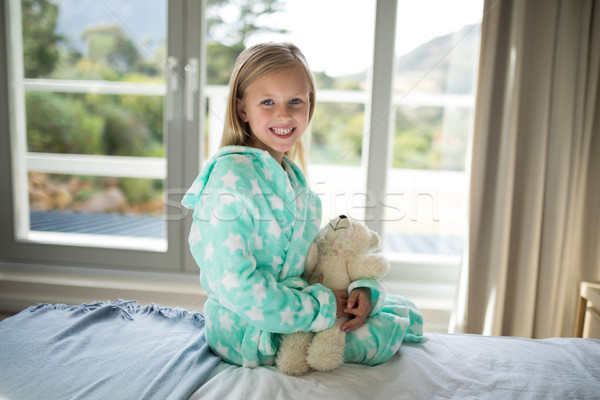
pixel 103 107
pixel 125 105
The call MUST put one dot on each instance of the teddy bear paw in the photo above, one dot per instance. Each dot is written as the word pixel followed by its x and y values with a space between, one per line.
pixel 291 357
pixel 325 356
pixel 292 366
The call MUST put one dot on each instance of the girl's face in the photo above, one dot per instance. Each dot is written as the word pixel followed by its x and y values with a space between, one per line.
pixel 276 107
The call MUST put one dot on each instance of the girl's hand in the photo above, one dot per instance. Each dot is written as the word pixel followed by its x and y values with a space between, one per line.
pixel 359 308
pixel 341 299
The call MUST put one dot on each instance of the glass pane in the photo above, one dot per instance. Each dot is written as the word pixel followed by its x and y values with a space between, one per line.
pixel 110 40
pixel 96 205
pixel 94 89
pixel 340 61
pixel 437 50
pixel 87 123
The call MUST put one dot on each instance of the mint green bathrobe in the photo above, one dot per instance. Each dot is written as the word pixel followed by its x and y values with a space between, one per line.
pixel 253 223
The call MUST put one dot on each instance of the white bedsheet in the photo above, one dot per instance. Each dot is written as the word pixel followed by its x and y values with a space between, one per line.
pixel 447 366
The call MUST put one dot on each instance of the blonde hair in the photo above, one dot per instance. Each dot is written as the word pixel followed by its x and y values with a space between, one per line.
pixel 252 64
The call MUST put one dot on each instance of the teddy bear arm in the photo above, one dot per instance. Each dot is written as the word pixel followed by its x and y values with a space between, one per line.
pixel 372 266
pixel 310 262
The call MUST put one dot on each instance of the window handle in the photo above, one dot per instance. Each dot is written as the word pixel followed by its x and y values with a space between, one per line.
pixel 191 88
pixel 172 84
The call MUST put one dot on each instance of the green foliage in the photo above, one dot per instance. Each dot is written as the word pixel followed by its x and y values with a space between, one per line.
pixel 124 134
pixel 417 132
pixel 40 44
pixel 222 58
pixel 109 46
pixel 337 131
pixel 140 190
pixel 61 124
pixel 235 31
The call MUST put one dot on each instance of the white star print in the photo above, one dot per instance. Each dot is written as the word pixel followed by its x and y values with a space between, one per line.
pixel 274 229
pixel 255 314
pixel 276 203
pixel 196 188
pixel 321 323
pixel 276 262
pixel 371 353
pixel 287 316
pixel 230 281
pixel 229 179
pixel 259 291
pixel 195 235
pixel 226 322
pixel 363 332
pixel 300 203
pixel 208 251
pixel 307 305
pixel 242 159
pixel 268 173
pixel 255 187
pixel 223 350
pixel 323 298
pixel 234 242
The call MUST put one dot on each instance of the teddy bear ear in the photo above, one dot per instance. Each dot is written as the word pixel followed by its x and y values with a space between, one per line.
pixel 375 240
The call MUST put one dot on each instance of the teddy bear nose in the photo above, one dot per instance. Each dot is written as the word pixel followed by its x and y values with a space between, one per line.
pixel 343 217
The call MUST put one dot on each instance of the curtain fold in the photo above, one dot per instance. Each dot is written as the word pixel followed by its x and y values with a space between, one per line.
pixel 534 212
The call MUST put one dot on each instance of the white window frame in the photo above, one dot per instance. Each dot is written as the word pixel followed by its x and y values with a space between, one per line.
pixel 183 139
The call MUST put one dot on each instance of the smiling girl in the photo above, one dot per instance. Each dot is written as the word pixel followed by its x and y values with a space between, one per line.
pixel 255 217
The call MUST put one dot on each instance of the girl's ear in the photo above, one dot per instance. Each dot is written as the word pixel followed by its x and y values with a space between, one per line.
pixel 241 110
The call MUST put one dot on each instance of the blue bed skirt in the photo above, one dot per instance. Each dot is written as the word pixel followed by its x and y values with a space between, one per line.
pixel 113 350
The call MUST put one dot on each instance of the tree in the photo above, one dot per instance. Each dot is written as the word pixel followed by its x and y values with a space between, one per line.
pixel 40 42
pixel 108 45
pixel 227 38
pixel 233 31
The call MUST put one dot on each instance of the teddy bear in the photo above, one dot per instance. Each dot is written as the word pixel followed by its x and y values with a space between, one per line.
pixel 344 251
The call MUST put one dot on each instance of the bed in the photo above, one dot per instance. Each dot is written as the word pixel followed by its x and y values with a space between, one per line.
pixel 122 350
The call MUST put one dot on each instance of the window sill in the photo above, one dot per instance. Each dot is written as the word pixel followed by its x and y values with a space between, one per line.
pixel 24 285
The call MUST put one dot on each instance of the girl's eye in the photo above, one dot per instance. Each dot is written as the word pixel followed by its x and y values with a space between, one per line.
pixel 295 101
pixel 267 102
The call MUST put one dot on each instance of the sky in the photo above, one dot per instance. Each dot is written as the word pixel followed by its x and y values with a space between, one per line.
pixel 337 35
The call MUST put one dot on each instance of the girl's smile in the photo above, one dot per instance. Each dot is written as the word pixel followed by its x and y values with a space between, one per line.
pixel 276 107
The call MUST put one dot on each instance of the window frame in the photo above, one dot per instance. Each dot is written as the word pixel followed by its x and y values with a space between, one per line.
pixel 182 140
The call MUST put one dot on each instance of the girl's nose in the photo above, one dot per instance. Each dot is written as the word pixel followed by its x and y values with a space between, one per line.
pixel 283 112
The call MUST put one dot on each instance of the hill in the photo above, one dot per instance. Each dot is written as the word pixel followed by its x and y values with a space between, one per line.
pixel 445 64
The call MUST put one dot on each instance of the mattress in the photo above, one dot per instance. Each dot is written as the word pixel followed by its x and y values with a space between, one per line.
pixel 122 350
pixel 447 366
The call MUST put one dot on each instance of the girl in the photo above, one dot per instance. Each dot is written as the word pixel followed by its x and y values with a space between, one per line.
pixel 255 218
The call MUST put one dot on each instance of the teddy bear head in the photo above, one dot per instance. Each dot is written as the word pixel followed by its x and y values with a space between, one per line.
pixel 343 236
pixel 344 251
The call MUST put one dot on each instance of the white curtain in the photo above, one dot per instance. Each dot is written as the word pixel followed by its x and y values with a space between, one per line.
pixel 534 213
